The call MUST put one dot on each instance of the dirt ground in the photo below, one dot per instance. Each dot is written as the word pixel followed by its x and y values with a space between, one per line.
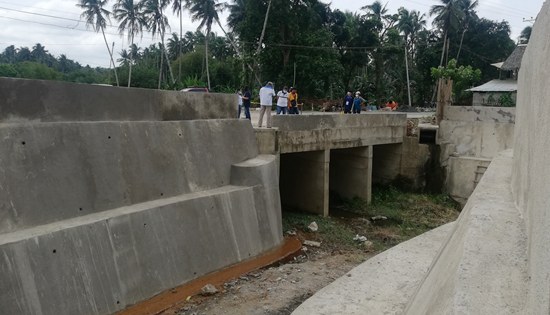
pixel 275 290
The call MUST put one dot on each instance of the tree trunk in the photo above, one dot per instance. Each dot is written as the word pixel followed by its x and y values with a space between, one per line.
pixel 131 60
pixel 440 63
pixel 262 38
pixel 263 29
pixel 378 72
pixel 460 46
pixel 180 44
pixel 239 53
pixel 168 63
pixel 408 80
pixel 206 53
pixel 110 55
pixel 443 51
pixel 160 67
pixel 445 91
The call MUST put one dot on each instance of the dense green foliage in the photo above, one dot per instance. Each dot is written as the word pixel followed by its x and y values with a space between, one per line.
pixel 324 52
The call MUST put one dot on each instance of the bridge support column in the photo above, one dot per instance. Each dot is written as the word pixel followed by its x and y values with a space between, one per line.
pixel 304 181
pixel 351 172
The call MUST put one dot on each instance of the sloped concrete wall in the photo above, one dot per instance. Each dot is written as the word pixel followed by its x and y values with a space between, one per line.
pixel 531 171
pixel 99 215
pixel 52 172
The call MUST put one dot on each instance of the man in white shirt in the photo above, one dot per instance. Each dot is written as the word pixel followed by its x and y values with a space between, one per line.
pixel 282 101
pixel 267 93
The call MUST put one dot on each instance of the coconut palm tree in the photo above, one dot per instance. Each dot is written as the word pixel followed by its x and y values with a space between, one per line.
pixel 448 16
pixel 129 15
pixel 205 11
pixel 39 53
pixel 96 16
pixel 177 8
pixel 469 14
pixel 237 13
pixel 157 23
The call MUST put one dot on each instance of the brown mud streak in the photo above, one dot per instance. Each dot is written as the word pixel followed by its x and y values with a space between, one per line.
pixel 170 298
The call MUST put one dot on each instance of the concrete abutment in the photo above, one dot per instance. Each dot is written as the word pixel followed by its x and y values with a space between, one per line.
pixel 307 178
pixel 304 181
pixel 351 172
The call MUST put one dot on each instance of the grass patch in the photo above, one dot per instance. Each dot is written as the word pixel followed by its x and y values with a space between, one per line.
pixel 408 215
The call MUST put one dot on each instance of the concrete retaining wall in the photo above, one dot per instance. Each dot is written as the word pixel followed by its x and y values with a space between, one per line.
pixel 482 267
pixel 406 161
pixel 531 173
pixel 98 215
pixel 74 169
pixel 483 113
pixel 49 101
pixel 468 137
pixel 465 173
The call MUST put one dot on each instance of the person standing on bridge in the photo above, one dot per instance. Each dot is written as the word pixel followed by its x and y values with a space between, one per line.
pixel 358 102
pixel 267 93
pixel 282 101
pixel 348 103
pixel 247 96
pixel 293 102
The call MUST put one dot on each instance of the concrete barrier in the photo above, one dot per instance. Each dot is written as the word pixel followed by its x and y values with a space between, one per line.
pixel 49 101
pixel 103 207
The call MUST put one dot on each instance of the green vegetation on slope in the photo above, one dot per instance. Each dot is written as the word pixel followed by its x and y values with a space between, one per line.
pixel 408 215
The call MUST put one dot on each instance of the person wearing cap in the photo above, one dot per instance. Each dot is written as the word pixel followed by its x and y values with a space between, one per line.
pixel 266 101
pixel 357 102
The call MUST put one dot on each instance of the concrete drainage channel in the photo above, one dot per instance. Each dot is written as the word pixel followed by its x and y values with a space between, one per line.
pixel 289 249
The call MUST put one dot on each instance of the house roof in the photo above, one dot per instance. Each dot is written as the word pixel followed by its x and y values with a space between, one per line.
pixel 497 86
pixel 498 64
pixel 514 60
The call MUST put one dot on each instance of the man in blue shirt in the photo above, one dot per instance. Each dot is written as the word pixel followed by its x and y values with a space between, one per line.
pixel 348 103
pixel 247 96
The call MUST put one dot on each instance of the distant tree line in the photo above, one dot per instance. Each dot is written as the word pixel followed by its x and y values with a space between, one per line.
pixel 324 52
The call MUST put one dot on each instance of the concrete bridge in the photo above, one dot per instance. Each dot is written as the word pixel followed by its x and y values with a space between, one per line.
pixel 109 196
pixel 324 153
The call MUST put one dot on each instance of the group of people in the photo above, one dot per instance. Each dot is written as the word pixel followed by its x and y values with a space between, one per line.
pixel 354 104
pixel 287 102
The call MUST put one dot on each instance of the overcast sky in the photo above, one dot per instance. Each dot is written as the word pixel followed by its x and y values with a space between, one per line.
pixel 56 25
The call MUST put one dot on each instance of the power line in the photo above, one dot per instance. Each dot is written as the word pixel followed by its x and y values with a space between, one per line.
pixel 71 19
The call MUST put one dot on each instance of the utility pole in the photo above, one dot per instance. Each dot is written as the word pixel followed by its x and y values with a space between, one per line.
pixel 294 82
